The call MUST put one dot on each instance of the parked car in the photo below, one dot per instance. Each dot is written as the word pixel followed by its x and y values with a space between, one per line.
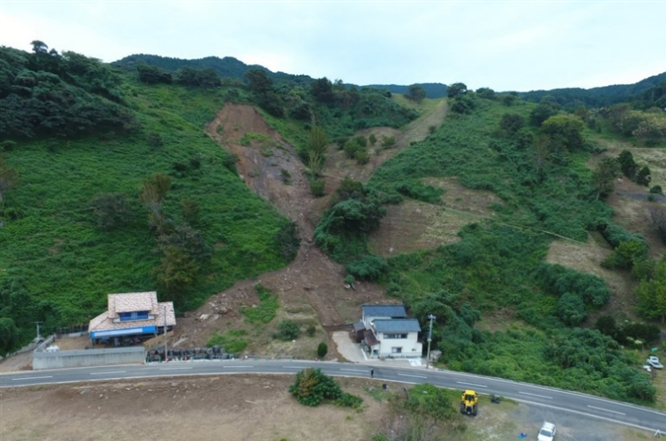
pixel 654 362
pixel 547 432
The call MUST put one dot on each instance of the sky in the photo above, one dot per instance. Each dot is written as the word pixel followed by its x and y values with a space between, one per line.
pixel 504 45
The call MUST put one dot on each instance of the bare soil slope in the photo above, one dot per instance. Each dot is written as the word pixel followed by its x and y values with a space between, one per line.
pixel 311 288
pixel 248 408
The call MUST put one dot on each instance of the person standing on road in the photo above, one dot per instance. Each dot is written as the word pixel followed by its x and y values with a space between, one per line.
pixel 372 373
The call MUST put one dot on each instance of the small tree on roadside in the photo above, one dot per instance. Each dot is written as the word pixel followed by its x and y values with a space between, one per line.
pixel 322 350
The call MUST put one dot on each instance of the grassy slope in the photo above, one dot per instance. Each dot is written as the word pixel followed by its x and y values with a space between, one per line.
pixel 65 261
pixel 494 265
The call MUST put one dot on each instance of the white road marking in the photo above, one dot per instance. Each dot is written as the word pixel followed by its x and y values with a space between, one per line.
pixel 294 367
pixel 238 366
pixel 535 395
pixel 606 410
pixel 175 369
pixel 107 373
pixel 415 376
pixel 31 378
pixel 355 370
pixel 471 384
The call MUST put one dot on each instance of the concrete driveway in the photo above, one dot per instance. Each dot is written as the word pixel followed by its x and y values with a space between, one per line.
pixel 352 352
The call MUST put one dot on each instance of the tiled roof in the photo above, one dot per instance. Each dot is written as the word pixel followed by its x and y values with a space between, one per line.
pixel 130 302
pixel 146 301
pixel 384 310
pixel 397 325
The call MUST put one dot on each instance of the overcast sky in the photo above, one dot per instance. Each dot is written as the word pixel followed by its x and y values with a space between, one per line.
pixel 520 46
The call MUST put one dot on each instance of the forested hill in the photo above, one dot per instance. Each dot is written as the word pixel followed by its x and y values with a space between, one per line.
pixel 649 91
pixel 646 93
pixel 227 67
pixel 432 90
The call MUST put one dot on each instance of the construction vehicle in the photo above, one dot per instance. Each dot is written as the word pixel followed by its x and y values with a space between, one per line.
pixel 469 403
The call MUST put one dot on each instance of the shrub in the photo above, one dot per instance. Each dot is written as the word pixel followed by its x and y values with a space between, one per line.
pixel 560 280
pixel 615 234
pixel 571 309
pixel 606 325
pixel 626 254
pixel 639 331
pixel 322 350
pixel 388 141
pixel 657 190
pixel 349 400
pixel 312 386
pixel 287 330
pixel 370 267
pixel 311 330
pixel 316 187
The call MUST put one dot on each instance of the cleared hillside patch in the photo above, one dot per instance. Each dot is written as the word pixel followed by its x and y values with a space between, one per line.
pixel 413 225
pixel 587 258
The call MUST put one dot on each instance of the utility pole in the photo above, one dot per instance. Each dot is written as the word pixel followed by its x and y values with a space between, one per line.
pixel 166 356
pixel 431 317
pixel 38 336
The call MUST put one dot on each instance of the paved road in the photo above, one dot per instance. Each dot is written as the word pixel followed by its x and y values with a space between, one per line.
pixel 581 404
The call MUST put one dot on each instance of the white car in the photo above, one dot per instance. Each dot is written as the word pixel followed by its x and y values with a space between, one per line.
pixel 547 432
pixel 654 362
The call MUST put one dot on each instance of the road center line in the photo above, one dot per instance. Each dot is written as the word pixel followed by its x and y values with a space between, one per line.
pixel 415 376
pixel 233 367
pixel 107 373
pixel 354 370
pixel 175 369
pixel 294 367
pixel 471 384
pixel 606 410
pixel 31 378
pixel 535 395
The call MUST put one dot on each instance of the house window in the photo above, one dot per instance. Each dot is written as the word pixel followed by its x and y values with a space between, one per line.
pixel 393 336
pixel 134 315
pixel 396 350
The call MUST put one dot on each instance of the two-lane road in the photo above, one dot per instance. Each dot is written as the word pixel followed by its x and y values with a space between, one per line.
pixel 581 404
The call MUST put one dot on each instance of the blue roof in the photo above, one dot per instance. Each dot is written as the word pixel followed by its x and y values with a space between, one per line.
pixel 384 310
pixel 122 332
pixel 397 325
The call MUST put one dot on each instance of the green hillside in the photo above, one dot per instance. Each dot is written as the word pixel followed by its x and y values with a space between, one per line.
pixel 109 183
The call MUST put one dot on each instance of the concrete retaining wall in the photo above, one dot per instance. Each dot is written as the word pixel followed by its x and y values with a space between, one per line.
pixel 90 357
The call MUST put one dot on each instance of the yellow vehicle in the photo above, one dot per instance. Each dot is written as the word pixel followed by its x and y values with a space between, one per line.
pixel 469 403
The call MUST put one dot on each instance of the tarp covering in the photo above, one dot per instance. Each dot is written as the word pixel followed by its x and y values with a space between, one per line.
pixel 123 332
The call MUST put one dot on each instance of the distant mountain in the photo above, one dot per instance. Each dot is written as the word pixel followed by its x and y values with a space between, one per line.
pixel 597 96
pixel 227 67
pixel 432 90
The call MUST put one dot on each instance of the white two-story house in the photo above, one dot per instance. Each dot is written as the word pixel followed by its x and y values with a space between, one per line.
pixel 386 331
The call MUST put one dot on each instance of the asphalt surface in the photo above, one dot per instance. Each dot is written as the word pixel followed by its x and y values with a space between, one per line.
pixel 578 403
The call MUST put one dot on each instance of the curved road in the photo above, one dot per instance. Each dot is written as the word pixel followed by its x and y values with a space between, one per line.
pixel 581 404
